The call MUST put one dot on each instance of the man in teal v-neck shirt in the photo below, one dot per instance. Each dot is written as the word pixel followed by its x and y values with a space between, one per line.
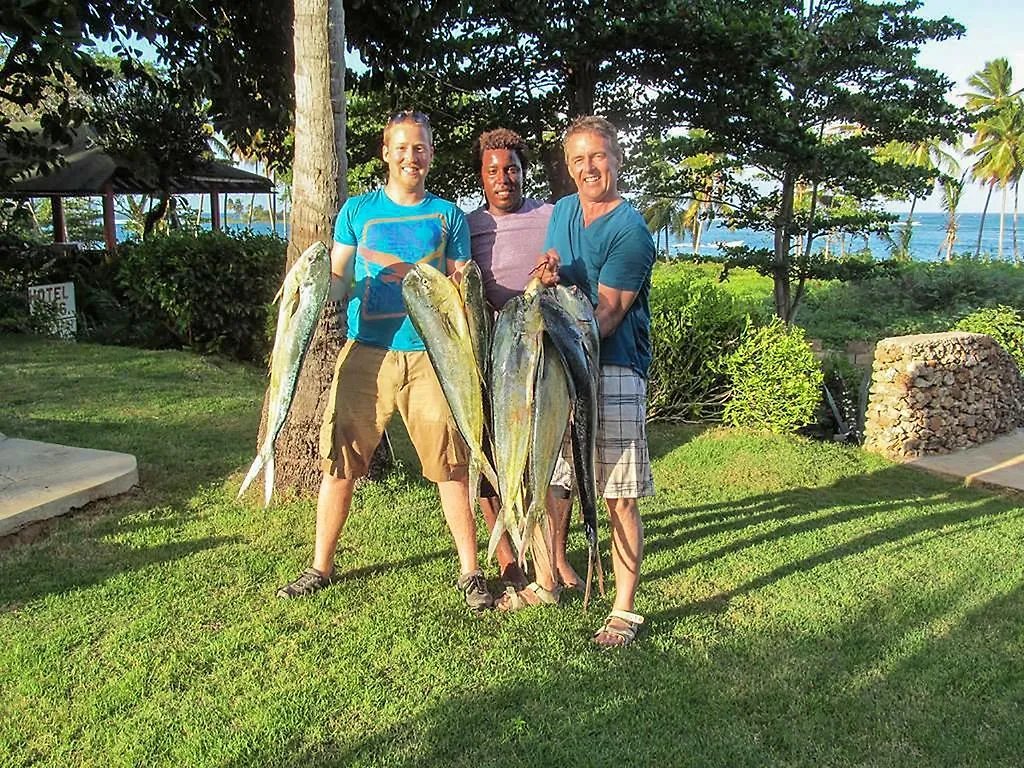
pixel 601 244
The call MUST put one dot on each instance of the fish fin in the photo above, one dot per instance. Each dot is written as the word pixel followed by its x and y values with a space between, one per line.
pixel 474 483
pixel 489 472
pixel 257 465
pixel 268 480
pixel 496 534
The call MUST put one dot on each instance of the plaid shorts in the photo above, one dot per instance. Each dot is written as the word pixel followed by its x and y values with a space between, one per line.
pixel 622 463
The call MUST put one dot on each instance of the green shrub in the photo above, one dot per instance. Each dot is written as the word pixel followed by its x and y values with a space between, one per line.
pixel 919 297
pixel 693 323
pixel 776 382
pixel 1002 323
pixel 210 291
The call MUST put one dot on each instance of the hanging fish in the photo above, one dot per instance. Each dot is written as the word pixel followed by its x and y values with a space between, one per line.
pixel 301 302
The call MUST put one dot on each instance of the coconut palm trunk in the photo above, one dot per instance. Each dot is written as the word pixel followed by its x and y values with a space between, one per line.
pixel 1016 206
pixel 318 188
pixel 1002 223
pixel 981 224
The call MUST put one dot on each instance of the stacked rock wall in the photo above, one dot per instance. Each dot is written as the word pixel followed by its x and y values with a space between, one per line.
pixel 936 392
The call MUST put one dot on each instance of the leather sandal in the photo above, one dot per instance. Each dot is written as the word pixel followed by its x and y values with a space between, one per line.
pixel 533 594
pixel 613 634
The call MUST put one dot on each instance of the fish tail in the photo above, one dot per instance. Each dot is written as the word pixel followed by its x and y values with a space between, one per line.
pixel 257 465
pixel 489 472
pixel 268 481
pixel 496 534
pixel 590 582
pixel 474 483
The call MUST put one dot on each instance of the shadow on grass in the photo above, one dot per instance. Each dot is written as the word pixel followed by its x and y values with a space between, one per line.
pixel 880 690
pixel 88 562
pixel 913 672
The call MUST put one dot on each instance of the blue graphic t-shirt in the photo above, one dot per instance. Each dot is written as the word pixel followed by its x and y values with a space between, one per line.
pixel 390 238
pixel 616 250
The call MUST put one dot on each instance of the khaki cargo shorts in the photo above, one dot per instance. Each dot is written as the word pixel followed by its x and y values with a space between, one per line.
pixel 369 384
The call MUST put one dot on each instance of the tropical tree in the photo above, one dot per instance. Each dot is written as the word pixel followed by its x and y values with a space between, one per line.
pixel 929 154
pixel 999 146
pixel 952 189
pixel 318 188
pixel 993 94
pixel 810 68
pixel 159 126
pixel 663 215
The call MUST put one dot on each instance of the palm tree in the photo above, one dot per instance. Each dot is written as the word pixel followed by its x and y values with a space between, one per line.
pixel 993 92
pixel 663 214
pixel 952 189
pixel 999 145
pixel 929 154
pixel 318 188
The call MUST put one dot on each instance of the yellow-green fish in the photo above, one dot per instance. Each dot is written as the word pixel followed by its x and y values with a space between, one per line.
pixel 516 354
pixel 437 312
pixel 301 301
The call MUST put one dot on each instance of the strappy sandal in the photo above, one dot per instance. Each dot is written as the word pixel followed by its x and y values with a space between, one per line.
pixel 613 635
pixel 534 594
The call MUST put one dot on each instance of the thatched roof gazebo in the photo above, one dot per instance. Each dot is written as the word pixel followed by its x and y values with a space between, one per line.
pixel 91 172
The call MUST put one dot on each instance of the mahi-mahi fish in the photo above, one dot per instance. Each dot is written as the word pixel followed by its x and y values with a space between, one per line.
pixel 301 298
pixel 573 333
pixel 437 312
pixel 551 404
pixel 516 354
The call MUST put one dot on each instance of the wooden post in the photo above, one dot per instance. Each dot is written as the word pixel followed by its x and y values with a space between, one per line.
pixel 109 227
pixel 60 224
pixel 214 210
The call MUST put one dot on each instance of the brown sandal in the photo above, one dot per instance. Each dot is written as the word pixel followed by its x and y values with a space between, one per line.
pixel 534 594
pixel 613 634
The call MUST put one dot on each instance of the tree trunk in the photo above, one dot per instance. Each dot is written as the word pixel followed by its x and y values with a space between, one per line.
pixel 561 183
pixel 318 188
pixel 1002 223
pixel 981 225
pixel 154 216
pixel 783 241
pixel 1016 207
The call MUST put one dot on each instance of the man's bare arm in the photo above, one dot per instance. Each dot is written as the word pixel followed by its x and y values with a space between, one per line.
pixel 612 305
pixel 342 263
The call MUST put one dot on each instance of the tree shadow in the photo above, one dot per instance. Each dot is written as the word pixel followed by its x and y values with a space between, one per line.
pixel 867 692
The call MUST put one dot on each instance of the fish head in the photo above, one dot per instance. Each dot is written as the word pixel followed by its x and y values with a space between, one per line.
pixel 312 267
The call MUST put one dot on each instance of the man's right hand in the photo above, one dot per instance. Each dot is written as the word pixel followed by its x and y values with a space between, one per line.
pixel 547 268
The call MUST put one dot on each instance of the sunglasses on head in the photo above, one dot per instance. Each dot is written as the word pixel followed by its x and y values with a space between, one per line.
pixel 409 116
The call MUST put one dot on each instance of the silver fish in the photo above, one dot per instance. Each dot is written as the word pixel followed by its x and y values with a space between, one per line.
pixel 516 353
pixel 301 298
pixel 551 406
pixel 570 334
pixel 437 312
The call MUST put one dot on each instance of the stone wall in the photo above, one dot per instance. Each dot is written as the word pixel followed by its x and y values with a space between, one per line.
pixel 936 392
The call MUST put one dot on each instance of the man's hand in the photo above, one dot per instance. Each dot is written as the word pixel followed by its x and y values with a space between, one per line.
pixel 546 268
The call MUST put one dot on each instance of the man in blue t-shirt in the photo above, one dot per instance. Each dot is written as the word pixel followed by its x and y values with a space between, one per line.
pixel 598 242
pixel 378 237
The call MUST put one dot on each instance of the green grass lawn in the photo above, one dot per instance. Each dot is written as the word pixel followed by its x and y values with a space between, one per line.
pixel 808 605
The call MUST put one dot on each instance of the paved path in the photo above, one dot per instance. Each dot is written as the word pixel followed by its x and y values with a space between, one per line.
pixel 998 463
pixel 41 480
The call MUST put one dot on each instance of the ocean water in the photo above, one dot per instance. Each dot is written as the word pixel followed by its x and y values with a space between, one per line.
pixel 926 244
pixel 258 227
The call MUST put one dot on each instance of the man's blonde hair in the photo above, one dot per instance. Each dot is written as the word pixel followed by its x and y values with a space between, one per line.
pixel 409 116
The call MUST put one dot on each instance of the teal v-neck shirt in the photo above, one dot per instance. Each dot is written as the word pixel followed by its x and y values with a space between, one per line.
pixel 617 251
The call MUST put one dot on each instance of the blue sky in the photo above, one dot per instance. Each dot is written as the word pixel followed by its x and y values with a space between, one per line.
pixel 995 28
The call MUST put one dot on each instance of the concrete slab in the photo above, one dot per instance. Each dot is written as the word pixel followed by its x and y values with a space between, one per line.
pixel 998 463
pixel 42 480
